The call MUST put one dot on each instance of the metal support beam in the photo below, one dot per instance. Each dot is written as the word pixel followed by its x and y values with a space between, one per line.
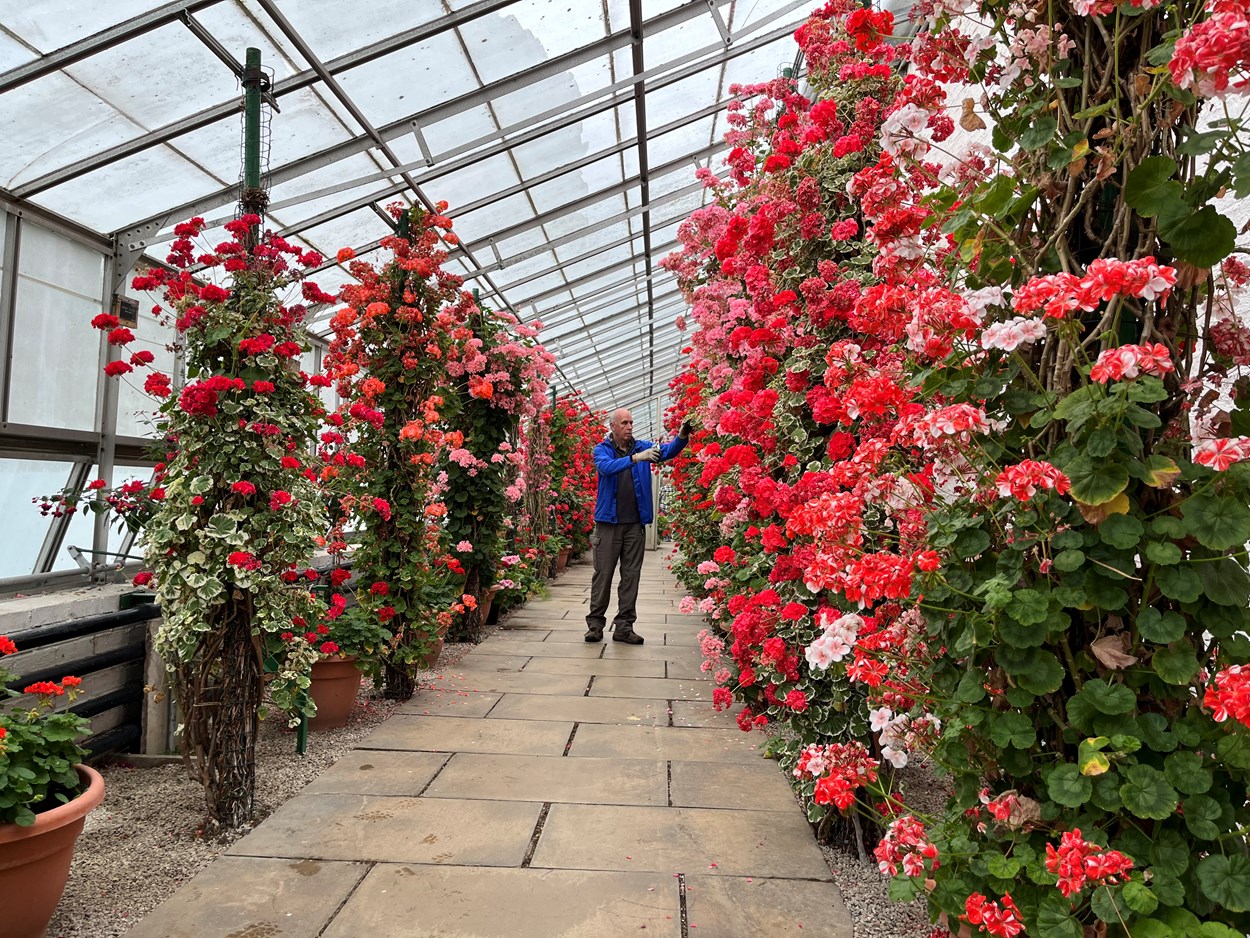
pixel 8 306
pixel 54 537
pixel 210 42
pixel 107 393
pixel 105 39
pixel 580 322
pixel 640 113
pixel 593 276
pixel 529 130
pixel 228 109
pixel 598 351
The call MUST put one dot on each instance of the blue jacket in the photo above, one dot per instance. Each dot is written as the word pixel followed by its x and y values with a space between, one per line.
pixel 610 466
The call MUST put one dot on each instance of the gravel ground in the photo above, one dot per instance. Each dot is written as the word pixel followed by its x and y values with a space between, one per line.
pixel 144 842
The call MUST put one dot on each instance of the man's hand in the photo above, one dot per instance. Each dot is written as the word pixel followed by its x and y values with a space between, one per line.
pixel 685 431
pixel 648 455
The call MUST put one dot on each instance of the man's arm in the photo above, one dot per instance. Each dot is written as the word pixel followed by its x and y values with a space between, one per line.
pixel 608 464
pixel 672 448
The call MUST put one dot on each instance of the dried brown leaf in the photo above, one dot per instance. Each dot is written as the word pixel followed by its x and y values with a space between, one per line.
pixel 1112 652
pixel 969 120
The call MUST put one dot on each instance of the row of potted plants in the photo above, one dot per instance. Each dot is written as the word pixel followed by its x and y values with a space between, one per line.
pixel 974 477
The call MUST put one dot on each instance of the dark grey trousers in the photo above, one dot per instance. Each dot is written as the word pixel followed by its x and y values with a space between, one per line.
pixel 610 544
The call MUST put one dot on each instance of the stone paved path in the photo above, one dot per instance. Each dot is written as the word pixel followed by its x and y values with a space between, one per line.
pixel 544 787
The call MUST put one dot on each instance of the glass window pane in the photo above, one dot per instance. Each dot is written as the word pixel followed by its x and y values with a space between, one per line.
pixel 21 481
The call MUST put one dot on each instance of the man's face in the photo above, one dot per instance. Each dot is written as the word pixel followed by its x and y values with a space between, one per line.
pixel 623 426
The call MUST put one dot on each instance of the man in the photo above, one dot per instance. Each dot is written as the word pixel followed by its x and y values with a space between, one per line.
pixel 622 508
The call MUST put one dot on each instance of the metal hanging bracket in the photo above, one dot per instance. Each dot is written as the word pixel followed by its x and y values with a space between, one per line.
pixel 725 35
pixel 128 246
pixel 423 144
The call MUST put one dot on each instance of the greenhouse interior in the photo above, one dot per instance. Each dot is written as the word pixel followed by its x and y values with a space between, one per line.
pixel 519 468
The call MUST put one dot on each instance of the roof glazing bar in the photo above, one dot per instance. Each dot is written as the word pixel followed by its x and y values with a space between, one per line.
pixel 228 109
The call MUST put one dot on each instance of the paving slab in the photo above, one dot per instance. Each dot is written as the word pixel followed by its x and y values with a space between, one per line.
pixel 448 703
pixel 651 651
pixel 749 907
pixel 751 786
pixel 701 713
pixel 399 901
pixel 552 778
pixel 246 896
pixel 456 734
pixel 680 638
pixel 511 682
pixel 657 688
pixel 511 646
pixel 666 742
pixel 776 844
pixel 618 666
pixel 379 773
pixel 514 636
pixel 476 662
pixel 581 709
pixel 688 666
pixel 401 830
pixel 573 636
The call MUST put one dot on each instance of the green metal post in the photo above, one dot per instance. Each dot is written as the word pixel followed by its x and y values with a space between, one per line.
pixel 253 78
pixel 301 735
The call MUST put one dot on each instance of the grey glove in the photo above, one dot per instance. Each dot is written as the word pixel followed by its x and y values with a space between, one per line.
pixel 648 455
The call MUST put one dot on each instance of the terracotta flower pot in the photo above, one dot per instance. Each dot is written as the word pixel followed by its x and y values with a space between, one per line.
pixel 34 861
pixel 335 683
pixel 484 604
pixel 431 657
pixel 562 560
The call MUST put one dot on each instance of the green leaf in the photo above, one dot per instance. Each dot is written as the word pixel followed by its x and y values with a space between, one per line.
pixel 1179 582
pixel 1226 881
pixel 1122 531
pixel 1055 919
pixel 1067 786
pixel 1169 853
pixel 1068 560
pixel 1224 582
pixel 1039 133
pixel 1201 813
pixel 1096 483
pixel 1028 606
pixel 971 543
pixel 1203 238
pixel 1147 794
pixel 1013 729
pixel 1139 898
pixel 1177 664
pixel 1218 522
pixel 1163 628
pixel 1044 675
pixel 1003 867
pixel 1152 187
pixel 1107 902
pixel 1185 771
pixel 1163 552
pixel 1108 698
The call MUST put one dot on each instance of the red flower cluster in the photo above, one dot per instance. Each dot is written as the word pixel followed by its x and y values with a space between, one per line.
pixel 1079 863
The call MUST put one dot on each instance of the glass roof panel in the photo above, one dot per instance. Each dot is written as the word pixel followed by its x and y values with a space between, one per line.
pixel 496 216
pixel 13 53
pixel 529 32
pixel 333 36
pixel 360 227
pixel 52 24
pixel 673 101
pixel 456 129
pixel 478 181
pixel 236 30
pixel 520 243
pixel 584 218
pixel 410 79
pixel 78 126
pixel 599 175
pixel 106 200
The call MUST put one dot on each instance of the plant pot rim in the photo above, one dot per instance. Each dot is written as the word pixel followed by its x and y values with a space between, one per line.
pixel 336 659
pixel 84 803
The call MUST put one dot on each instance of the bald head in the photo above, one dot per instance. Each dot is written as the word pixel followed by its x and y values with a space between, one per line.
pixel 622 426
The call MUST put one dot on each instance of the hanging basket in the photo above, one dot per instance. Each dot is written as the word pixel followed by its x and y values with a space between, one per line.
pixel 34 861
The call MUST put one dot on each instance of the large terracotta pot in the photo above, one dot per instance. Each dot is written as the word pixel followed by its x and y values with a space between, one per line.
pixel 34 861
pixel 430 658
pixel 483 607
pixel 335 684
pixel 562 560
